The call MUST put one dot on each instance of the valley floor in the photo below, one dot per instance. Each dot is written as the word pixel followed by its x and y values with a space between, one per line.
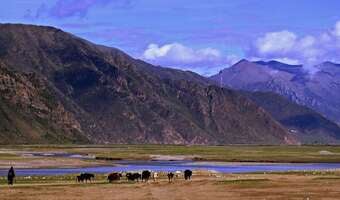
pixel 204 185
pixel 245 186
pixel 233 153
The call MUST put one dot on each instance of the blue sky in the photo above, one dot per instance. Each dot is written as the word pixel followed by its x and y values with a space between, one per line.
pixel 197 35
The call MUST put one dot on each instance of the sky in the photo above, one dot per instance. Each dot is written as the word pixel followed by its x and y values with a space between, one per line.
pixel 198 35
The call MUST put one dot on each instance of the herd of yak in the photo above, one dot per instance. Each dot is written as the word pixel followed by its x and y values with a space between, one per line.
pixel 144 176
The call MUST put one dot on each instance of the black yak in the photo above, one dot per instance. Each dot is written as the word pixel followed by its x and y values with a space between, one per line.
pixel 133 176
pixel 146 175
pixel 187 174
pixel 114 177
pixel 171 176
pixel 85 177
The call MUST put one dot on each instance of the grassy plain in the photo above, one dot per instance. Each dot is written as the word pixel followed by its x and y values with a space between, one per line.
pixel 279 185
pixel 234 153
pixel 202 187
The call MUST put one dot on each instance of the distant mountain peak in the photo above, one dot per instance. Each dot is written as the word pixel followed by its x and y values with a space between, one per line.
pixel 242 61
pixel 314 86
pixel 275 62
pixel 330 63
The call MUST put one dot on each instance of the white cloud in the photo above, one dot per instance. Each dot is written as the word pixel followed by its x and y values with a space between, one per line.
pixel 274 42
pixel 288 46
pixel 176 52
pixel 153 51
pixel 336 30
pixel 209 52
pixel 283 46
pixel 279 59
pixel 232 59
pixel 205 61
pixel 307 41
pixel 287 61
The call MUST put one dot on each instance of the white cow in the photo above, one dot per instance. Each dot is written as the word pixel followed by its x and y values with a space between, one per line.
pixel 154 175
pixel 178 174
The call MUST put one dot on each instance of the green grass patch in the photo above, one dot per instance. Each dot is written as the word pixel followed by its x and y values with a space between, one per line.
pixel 327 178
pixel 232 153
pixel 9 156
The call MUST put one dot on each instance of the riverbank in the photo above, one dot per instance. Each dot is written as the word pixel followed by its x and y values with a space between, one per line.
pixel 33 159
pixel 233 153
pixel 75 156
pixel 313 184
pixel 222 186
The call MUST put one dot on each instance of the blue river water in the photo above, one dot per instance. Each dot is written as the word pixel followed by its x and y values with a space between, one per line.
pixel 166 166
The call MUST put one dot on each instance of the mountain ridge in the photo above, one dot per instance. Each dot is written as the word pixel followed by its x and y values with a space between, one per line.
pixel 307 125
pixel 117 99
pixel 316 90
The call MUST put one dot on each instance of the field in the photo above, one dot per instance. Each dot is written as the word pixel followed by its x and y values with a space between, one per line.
pixel 245 186
pixel 234 153
pixel 205 185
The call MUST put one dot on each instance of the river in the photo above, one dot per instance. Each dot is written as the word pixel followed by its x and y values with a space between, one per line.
pixel 166 166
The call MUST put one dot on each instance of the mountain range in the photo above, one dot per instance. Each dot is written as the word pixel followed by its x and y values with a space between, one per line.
pixel 316 87
pixel 307 125
pixel 58 88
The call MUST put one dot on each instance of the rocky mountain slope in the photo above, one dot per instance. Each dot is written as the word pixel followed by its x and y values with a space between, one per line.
pixel 304 123
pixel 29 112
pixel 101 95
pixel 317 89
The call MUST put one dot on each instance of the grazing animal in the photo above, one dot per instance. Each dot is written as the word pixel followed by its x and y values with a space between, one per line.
pixel 133 176
pixel 85 177
pixel 154 176
pixel 187 174
pixel 146 175
pixel 128 176
pixel 79 179
pixel 114 177
pixel 171 176
pixel 178 174
pixel 10 176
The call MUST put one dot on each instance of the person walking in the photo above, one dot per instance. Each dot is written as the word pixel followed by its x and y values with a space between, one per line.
pixel 11 176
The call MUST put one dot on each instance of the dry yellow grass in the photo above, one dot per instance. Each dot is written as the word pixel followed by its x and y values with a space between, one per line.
pixel 246 186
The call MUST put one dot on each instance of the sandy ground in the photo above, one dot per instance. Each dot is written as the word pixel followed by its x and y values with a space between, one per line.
pixel 48 163
pixel 25 159
pixel 173 157
pixel 264 186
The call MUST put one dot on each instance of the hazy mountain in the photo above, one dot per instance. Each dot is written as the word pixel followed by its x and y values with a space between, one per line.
pixel 100 94
pixel 318 87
